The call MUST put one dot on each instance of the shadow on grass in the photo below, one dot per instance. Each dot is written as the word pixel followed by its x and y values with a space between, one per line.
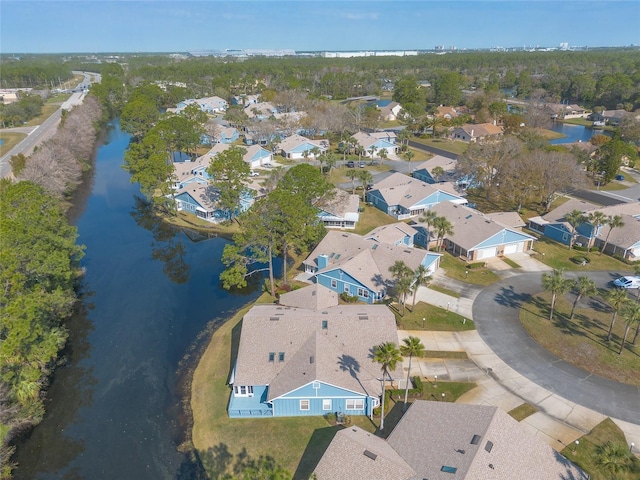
pixel 219 463
pixel 318 444
pixel 507 297
pixel 235 344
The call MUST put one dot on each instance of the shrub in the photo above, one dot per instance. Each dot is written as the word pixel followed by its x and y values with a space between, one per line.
pixel 417 383
pixel 579 248
pixel 471 266
pixel 580 260
pixel 348 298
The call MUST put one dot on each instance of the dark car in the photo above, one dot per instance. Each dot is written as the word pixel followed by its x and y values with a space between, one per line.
pixel 619 177
pixel 351 164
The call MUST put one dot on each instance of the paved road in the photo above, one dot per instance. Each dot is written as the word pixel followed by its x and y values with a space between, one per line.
pixel 496 314
pixel 41 132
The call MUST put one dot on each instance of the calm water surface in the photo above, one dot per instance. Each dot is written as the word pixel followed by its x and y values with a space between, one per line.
pixel 149 290
pixel 574 133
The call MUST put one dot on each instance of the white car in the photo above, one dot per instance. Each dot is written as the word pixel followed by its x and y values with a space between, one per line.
pixel 253 173
pixel 627 282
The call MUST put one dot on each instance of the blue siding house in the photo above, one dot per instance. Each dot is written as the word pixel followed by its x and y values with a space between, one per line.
pixel 296 361
pixel 404 197
pixel 359 266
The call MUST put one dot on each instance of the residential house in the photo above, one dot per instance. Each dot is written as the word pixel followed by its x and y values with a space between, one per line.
pixel 447 113
pixel 623 241
pixel 399 234
pixel 226 135
pixel 475 236
pixel 245 100
pixel 423 171
pixel 209 105
pixel 562 111
pixel 201 199
pixel 609 117
pixel 254 155
pixel 260 111
pixel 508 219
pixel 389 110
pixel 339 210
pixel 441 440
pixel 376 141
pixel 404 197
pixel 311 360
pixel 295 146
pixel 359 266
pixel 480 132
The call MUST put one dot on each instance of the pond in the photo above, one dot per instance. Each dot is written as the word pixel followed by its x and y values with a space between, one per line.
pixel 574 133
pixel 149 290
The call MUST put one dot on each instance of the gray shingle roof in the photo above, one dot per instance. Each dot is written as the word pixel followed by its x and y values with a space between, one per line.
pixel 364 259
pixel 315 297
pixel 391 233
pixel 345 458
pixel 433 435
pixel 350 334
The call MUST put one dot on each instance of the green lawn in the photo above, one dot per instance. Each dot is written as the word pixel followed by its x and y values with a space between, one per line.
pixel 500 204
pixel 436 319
pixel 47 110
pixel 510 262
pixel 586 456
pixel 582 341
pixel 558 256
pixel 370 218
pixel 10 140
pixel 446 291
pixel 456 268
pixel 443 144
pixel 522 411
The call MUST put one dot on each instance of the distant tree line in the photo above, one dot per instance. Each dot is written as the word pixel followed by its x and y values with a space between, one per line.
pixel 33 71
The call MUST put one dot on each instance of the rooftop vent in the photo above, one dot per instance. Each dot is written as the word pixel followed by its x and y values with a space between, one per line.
pixel 475 440
pixel 488 446
pixel 274 319
pixel 468 217
pixel 363 317
pixel 312 359
pixel 407 251
pixel 448 469
pixel 370 455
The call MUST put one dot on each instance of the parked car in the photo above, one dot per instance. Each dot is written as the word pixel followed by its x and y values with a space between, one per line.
pixel 627 282
pixel 266 165
pixel 253 173
pixel 619 177
pixel 361 164
pixel 351 164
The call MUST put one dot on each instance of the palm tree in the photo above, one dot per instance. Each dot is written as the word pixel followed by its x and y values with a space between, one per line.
pixel 556 284
pixel 372 150
pixel 388 356
pixel 428 218
pixel 321 159
pixel 315 151
pixel 612 222
pixel 305 155
pixel 409 155
pixel 614 457
pixel 575 218
pixel 596 219
pixel 352 174
pixel 583 286
pixel 420 277
pixel 437 172
pixel 402 288
pixel 412 346
pixel 631 314
pixel 443 228
pixel 616 299
pixel 383 154
pixel 330 159
pixel 366 178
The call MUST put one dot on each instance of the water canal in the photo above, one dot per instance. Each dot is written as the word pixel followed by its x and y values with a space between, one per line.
pixel 573 133
pixel 112 410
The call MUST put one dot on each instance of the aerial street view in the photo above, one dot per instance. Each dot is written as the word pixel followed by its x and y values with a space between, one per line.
pixel 319 240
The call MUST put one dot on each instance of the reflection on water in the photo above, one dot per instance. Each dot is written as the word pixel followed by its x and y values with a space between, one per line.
pixel 152 290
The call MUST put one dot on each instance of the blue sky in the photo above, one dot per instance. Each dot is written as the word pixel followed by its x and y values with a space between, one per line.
pixel 178 26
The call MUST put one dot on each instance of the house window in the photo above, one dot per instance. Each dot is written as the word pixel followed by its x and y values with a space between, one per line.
pixel 363 293
pixel 355 404
pixel 243 391
pixel 281 357
pixel 346 288
pixel 304 404
pixel 272 356
pixel 334 283
pixel 565 237
pixel 326 404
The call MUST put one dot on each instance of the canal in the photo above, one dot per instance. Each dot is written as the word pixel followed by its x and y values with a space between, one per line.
pixel 113 407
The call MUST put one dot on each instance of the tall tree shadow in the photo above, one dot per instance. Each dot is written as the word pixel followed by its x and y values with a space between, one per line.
pixel 508 297
pixel 318 444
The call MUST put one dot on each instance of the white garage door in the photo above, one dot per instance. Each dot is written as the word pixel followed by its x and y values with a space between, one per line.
pixel 513 248
pixel 486 253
